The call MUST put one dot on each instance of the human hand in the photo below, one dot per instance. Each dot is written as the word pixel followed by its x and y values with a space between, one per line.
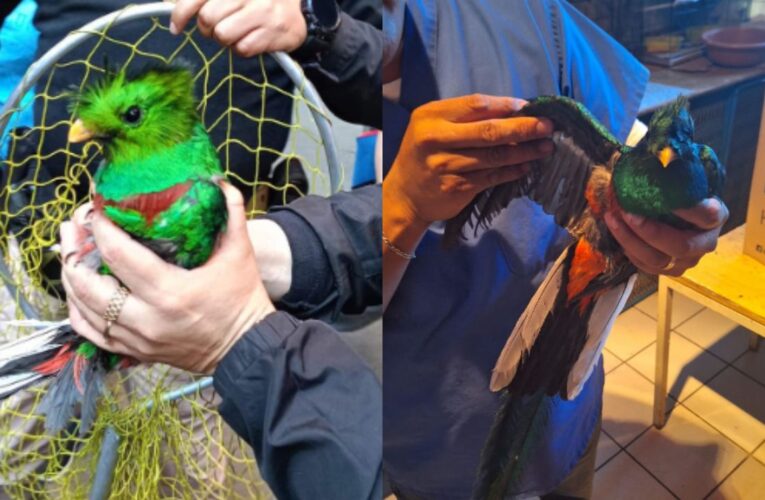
pixel 185 318
pixel 250 27
pixel 652 246
pixel 455 148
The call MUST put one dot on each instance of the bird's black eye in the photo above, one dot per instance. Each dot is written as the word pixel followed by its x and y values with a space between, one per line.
pixel 132 115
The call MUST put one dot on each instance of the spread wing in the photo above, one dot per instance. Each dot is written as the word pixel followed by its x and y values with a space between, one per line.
pixel 558 182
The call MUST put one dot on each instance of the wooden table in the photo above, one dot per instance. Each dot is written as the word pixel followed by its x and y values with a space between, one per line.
pixel 725 281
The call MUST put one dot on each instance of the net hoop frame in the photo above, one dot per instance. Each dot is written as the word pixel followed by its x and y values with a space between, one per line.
pixel 156 9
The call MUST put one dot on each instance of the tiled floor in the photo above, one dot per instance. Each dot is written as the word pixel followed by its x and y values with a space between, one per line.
pixel 713 445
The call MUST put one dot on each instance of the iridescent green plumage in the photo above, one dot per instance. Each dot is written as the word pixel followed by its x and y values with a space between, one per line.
pixel 153 143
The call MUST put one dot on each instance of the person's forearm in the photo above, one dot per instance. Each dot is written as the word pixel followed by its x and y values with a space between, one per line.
pixel 308 405
pixel 272 252
pixel 404 232
pixel 334 250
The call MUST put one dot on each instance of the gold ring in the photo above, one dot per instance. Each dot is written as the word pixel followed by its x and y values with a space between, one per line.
pixel 114 308
pixel 670 265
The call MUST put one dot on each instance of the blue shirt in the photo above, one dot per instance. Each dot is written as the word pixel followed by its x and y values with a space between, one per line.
pixel 454 308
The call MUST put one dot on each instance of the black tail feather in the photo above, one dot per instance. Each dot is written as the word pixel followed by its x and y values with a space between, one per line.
pixel 516 430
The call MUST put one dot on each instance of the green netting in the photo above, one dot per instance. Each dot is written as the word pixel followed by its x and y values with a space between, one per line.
pixel 178 449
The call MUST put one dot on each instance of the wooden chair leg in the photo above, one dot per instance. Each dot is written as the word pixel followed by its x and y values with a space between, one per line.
pixel 662 353
pixel 754 342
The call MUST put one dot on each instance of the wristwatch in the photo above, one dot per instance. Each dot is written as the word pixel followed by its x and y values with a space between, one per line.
pixel 322 20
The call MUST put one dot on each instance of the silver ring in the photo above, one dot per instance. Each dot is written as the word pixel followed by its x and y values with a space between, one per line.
pixel 670 265
pixel 114 308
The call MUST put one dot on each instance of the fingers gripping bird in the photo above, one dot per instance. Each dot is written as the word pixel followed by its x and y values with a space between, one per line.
pixel 158 182
pixel 558 339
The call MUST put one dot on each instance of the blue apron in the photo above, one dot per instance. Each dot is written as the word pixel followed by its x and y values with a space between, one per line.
pixel 454 309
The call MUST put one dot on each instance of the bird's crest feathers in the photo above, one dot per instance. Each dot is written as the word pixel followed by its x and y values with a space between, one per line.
pixel 138 111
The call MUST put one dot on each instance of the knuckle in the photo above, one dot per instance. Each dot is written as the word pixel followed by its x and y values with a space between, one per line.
pixel 151 335
pixel 222 35
pixel 420 112
pixel 490 132
pixel 81 289
pixel 170 302
pixel 685 246
pixel 204 18
pixel 281 25
pixel 111 253
pixel 477 102
pixel 423 134
pixel 243 48
pixel 451 185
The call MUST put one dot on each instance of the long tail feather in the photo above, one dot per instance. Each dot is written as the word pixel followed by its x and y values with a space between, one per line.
pixel 11 384
pixel 604 313
pixel 527 329
pixel 25 352
pixel 55 351
pixel 517 428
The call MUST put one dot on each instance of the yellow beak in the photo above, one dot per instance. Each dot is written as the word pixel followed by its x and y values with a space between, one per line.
pixel 79 133
pixel 666 156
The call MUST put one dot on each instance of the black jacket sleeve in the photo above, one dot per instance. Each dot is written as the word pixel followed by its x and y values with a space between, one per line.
pixel 308 405
pixel 349 74
pixel 336 253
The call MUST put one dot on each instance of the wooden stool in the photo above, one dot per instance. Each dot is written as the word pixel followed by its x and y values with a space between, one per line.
pixel 725 281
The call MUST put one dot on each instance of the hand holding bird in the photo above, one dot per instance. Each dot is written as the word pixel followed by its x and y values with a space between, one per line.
pixel 652 206
pixel 160 183
pixel 452 150
pixel 249 27
pixel 455 148
pixel 652 245
pixel 185 318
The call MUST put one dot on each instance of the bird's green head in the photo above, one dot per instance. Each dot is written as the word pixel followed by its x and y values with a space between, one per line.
pixel 134 115
pixel 670 132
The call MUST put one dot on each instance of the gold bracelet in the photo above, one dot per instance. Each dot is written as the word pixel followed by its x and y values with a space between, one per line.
pixel 397 250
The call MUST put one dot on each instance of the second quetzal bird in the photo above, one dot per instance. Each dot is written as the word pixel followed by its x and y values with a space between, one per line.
pixel 558 339
pixel 159 183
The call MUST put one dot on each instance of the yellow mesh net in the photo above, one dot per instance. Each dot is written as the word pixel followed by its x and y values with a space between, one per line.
pixel 175 449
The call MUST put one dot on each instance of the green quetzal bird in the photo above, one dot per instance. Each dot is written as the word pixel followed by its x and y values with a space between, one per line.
pixel 558 339
pixel 159 183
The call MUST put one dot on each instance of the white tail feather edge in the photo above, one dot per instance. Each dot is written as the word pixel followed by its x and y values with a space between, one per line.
pixel 528 326
pixel 604 313
pixel 10 384
pixel 32 343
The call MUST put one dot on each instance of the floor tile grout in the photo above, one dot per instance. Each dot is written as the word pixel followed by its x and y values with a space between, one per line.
pixel 710 424
pixel 702 347
pixel 678 402
pixel 742 372
pixel 727 476
pixel 688 318
pixel 651 474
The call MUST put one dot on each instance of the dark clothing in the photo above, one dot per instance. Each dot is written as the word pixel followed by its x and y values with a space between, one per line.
pixel 349 77
pixel 295 391
pixel 336 253
pixel 308 405
pixel 369 11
